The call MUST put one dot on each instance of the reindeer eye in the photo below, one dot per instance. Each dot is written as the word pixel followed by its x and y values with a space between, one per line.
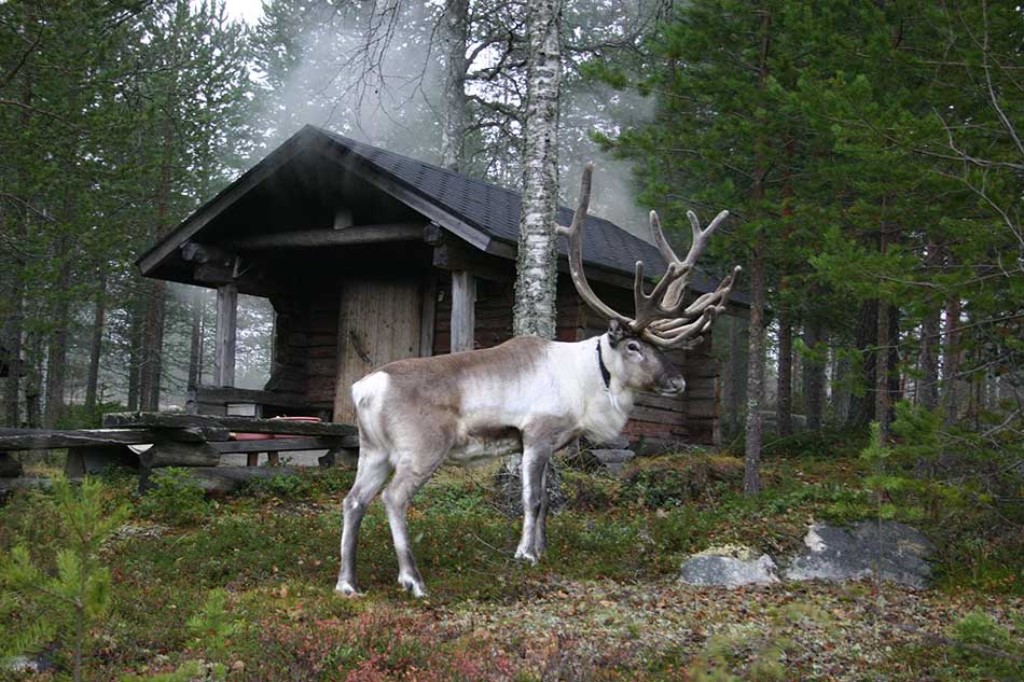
pixel 633 346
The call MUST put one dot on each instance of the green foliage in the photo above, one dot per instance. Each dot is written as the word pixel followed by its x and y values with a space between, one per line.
pixel 62 600
pixel 211 627
pixel 175 498
pixel 285 486
pixel 990 650
pixel 840 443
pixel 746 653
pixel 966 488
pixel 675 481
pixel 248 594
pixel 78 416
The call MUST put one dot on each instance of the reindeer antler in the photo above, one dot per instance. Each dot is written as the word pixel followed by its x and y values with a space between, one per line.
pixel 660 317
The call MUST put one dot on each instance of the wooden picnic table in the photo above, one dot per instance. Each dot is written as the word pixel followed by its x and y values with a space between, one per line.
pixel 178 439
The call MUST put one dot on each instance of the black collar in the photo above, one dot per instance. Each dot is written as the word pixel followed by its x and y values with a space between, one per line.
pixel 605 374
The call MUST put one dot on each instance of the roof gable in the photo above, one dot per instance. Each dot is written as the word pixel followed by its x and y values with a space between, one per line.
pixel 485 215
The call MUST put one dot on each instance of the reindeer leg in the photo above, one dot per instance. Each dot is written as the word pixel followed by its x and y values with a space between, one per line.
pixel 535 460
pixel 373 471
pixel 396 497
pixel 541 541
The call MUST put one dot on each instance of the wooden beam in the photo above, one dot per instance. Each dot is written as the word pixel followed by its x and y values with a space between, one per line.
pixel 366 171
pixel 428 311
pixel 179 420
pixel 39 439
pixel 285 444
pixel 233 193
pixel 227 328
pixel 456 255
pixel 362 234
pixel 194 252
pixel 463 311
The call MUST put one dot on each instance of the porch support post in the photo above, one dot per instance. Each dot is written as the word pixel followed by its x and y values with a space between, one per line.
pixel 463 313
pixel 227 326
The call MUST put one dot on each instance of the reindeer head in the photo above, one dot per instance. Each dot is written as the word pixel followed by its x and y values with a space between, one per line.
pixel 662 319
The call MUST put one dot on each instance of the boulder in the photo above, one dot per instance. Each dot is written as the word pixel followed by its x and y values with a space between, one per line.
pixel 728 566
pixel 887 550
pixel 614 460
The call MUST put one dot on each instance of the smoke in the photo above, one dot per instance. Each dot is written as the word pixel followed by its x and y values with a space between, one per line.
pixel 375 75
pixel 368 74
pixel 602 109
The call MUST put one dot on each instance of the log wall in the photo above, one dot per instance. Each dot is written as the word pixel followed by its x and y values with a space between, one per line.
pixel 306 352
pixel 305 347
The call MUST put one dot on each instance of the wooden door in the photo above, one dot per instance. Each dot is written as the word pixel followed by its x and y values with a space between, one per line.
pixel 379 321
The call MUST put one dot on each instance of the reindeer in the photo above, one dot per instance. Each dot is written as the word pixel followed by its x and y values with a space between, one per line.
pixel 527 395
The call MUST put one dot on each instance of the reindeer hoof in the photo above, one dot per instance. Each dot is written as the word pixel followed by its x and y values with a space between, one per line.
pixel 347 589
pixel 528 557
pixel 412 586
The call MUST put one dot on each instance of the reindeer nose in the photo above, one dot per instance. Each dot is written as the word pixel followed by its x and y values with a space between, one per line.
pixel 673 385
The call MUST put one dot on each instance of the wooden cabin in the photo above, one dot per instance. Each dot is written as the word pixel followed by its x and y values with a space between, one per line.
pixel 369 256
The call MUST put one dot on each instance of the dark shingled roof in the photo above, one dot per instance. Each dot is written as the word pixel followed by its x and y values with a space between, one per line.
pixel 484 214
pixel 495 211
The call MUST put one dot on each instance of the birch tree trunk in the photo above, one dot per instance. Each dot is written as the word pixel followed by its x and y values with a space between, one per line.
pixel 534 311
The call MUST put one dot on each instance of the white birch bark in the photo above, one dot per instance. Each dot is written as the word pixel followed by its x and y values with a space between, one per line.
pixel 534 311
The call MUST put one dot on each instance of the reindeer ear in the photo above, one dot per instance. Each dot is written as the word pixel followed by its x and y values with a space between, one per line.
pixel 616 332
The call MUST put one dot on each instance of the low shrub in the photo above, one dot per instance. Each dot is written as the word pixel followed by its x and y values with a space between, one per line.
pixel 175 498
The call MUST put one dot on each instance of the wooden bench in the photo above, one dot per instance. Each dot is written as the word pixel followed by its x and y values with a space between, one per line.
pixel 178 439
pixel 229 401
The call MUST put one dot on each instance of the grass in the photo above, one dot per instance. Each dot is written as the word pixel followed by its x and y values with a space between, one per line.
pixel 604 604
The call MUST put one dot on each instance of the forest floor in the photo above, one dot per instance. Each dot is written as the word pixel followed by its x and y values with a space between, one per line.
pixel 605 603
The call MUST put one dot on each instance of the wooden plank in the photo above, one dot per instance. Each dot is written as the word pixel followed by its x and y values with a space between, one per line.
pixel 661 401
pixel 176 420
pixel 702 408
pixel 378 321
pixel 39 439
pixel 227 327
pixel 653 415
pixel 463 311
pixel 288 444
pixel 230 394
pixel 428 308
pixel 362 234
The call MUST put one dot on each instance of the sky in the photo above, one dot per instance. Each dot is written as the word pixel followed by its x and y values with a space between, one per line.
pixel 248 10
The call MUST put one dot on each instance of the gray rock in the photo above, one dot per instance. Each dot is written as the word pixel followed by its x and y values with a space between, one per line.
pixel 614 460
pixel 728 567
pixel 888 550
